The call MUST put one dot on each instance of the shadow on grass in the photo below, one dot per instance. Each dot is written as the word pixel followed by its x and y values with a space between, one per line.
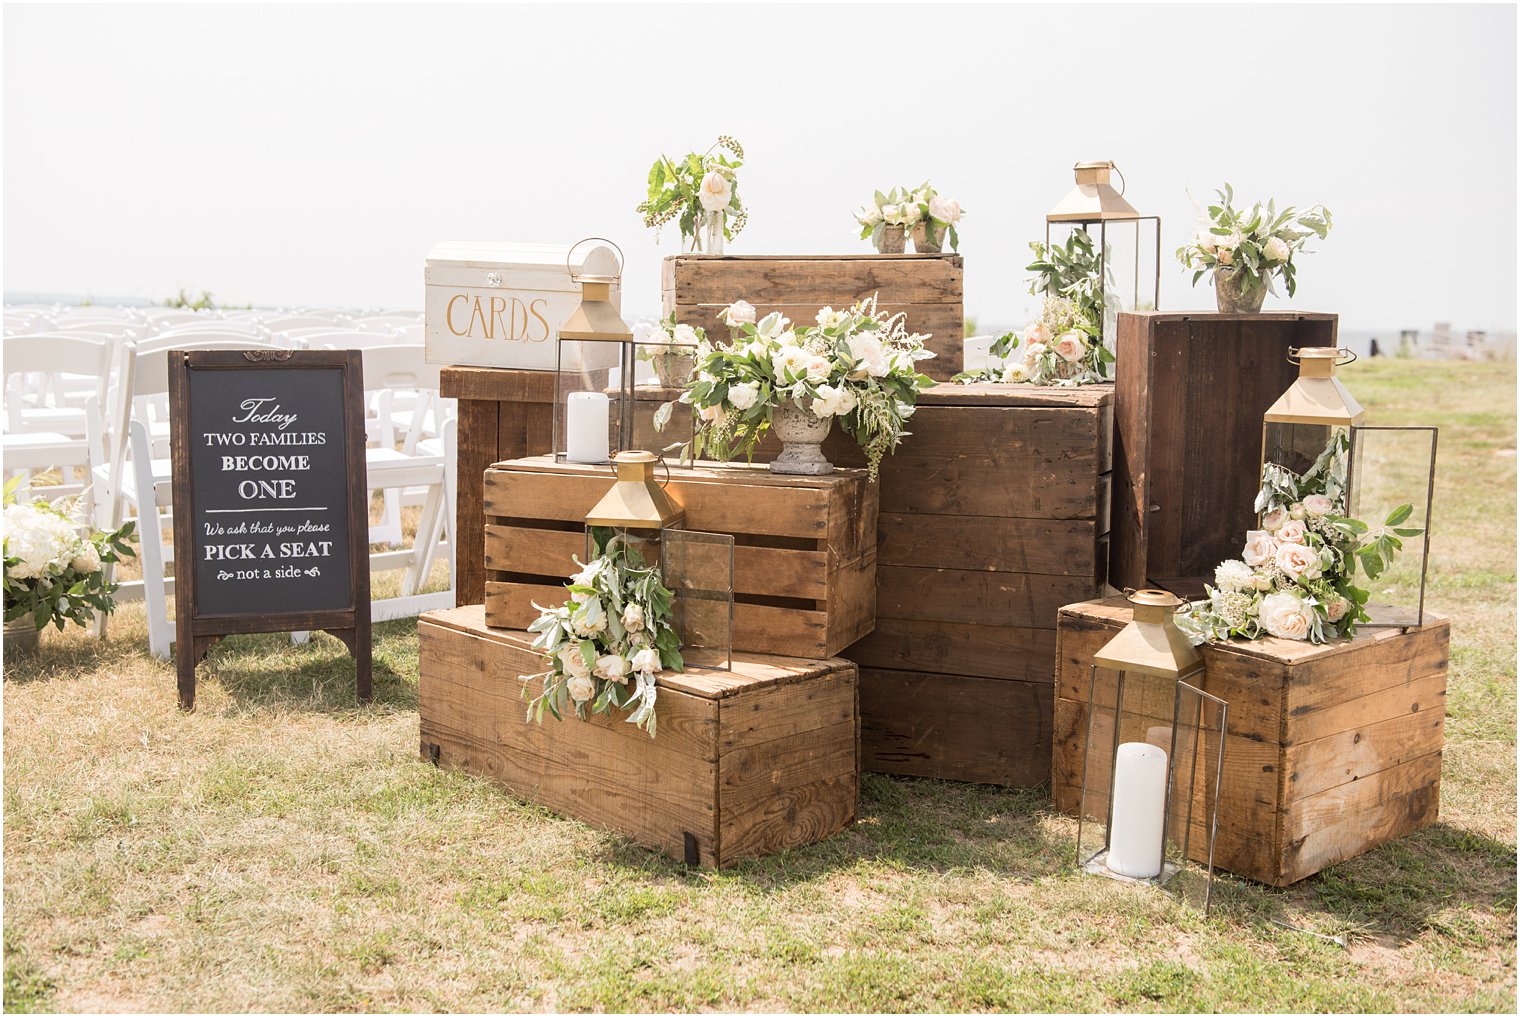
pixel 261 671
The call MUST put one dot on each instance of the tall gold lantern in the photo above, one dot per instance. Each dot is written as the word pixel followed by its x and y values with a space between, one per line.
pixel 639 516
pixel 1094 204
pixel 1316 431
pixel 1153 755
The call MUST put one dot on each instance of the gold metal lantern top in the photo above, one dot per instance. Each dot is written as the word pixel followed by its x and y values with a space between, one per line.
pixel 636 501
pixel 1151 643
pixel 596 318
pixel 1317 397
pixel 1094 198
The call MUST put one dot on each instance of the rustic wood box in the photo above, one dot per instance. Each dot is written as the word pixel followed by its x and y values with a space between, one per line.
pixel 1329 750
pixel 804 555
pixel 994 513
pixel 1190 391
pixel 928 287
pixel 746 763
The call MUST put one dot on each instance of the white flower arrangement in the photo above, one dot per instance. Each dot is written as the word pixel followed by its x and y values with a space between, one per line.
pixel 608 643
pixel 1295 576
pixel 857 365
pixel 939 214
pixel 54 562
pixel 1064 347
pixel 908 208
pixel 1258 244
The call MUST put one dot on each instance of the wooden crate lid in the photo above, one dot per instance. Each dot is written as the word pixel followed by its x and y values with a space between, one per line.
pixel 987 394
pixel 703 472
pixel 1115 612
pixel 497 384
pixel 751 671
pixel 1269 316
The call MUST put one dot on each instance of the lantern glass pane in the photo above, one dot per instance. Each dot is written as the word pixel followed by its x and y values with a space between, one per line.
pixel 592 404
pixel 1195 764
pixel 661 371
pixel 699 569
pixel 1297 447
pixel 1129 252
pixel 1392 467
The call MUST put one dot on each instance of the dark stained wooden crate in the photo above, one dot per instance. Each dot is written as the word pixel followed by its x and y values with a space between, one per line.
pixel 746 763
pixel 1329 750
pixel 929 288
pixel 1190 391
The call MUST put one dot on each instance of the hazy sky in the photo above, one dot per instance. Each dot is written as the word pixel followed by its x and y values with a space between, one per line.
pixel 312 155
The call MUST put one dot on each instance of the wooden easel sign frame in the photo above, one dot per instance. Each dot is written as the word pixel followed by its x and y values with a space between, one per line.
pixel 271 507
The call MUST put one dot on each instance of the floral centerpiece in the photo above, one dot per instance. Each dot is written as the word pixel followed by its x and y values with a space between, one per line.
pixel 54 566
pixel 1295 578
pixel 885 222
pixel 671 349
pixel 934 217
pixel 608 642
pixel 701 192
pixel 1063 347
pixel 1071 270
pixel 1246 250
pixel 857 366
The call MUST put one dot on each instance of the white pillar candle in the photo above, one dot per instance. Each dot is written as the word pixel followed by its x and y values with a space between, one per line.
pixel 588 417
pixel 1139 790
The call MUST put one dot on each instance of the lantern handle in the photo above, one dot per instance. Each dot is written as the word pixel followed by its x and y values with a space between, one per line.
pixel 1122 182
pixel 574 277
pixel 1345 356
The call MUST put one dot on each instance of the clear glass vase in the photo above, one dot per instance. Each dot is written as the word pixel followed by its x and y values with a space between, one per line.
pixel 712 233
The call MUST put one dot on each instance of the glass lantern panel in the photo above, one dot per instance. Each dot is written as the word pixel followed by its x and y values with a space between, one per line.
pixel 1299 449
pixel 699 569
pixel 1125 709
pixel 592 406
pixel 1129 252
pixel 661 371
pixel 1392 467
pixel 1195 766
pixel 644 547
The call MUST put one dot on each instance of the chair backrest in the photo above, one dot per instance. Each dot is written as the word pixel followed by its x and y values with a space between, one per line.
pixel 59 354
pixel 152 367
pixel 210 333
pixel 278 323
pixel 399 367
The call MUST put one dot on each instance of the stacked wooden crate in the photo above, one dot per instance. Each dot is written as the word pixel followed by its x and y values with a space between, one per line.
pixel 927 288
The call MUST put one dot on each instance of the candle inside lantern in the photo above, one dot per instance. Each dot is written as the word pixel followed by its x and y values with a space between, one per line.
pixel 588 418
pixel 1139 805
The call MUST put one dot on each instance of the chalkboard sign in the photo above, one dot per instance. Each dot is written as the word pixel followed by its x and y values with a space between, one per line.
pixel 271 520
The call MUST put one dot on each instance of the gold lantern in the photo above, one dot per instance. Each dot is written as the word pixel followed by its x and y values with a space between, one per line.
pixel 596 404
pixel 1094 203
pixel 1153 755
pixel 1314 439
pixel 638 521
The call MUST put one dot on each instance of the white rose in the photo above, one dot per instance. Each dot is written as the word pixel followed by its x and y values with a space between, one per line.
pixel 740 312
pixel 1015 374
pixel 574 664
pixel 686 335
pixel 633 618
pixel 716 192
pixel 789 363
pixel 1260 547
pixel 1298 561
pixel 787 338
pixel 833 401
pixel 772 325
pixel 945 209
pixel 581 688
pixel 744 394
pixel 1337 608
pixel 1318 505
pixel 1273 520
pixel 1034 350
pixel 869 216
pixel 1230 242
pixel 817 369
pixel 1037 333
pixel 1287 616
pixel 870 356
pixel 1296 510
pixel 1276 249
pixel 87 559
pixel 613 667
pixel 1070 347
pixel 590 619
pixel 1233 576
pixel 830 318
pixel 1260 582
pixel 647 660
pixel 712 414
pixel 1291 532
pixel 912 213
pixel 892 214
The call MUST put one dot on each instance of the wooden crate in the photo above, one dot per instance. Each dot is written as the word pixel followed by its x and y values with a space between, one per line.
pixel 928 287
pixel 993 515
pixel 746 763
pixel 1189 396
pixel 804 555
pixel 1329 750
pixel 503 414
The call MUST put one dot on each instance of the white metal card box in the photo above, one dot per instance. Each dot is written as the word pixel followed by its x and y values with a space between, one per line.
pixel 502 305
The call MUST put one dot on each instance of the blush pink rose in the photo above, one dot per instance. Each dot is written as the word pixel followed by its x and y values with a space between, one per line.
pixel 1318 505
pixel 1298 561
pixel 1286 616
pixel 1274 519
pixel 1291 532
pixel 1260 547
pixel 1069 347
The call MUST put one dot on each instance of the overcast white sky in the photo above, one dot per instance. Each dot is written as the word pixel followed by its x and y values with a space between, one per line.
pixel 312 155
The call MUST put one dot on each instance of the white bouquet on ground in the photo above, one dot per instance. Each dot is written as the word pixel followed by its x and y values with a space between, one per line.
pixel 54 562
pixel 858 365
pixel 1295 576
pixel 607 644
pixel 1064 347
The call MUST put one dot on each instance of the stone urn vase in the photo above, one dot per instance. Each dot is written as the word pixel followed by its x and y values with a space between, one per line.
pixel 926 240
pixel 21 637
pixel 801 433
pixel 1232 295
pixel 672 365
pixel 894 240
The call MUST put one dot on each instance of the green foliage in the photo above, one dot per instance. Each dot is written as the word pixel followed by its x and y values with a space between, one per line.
pixel 1071 270
pixel 70 585
pixel 184 301
pixel 675 187
pixel 1257 244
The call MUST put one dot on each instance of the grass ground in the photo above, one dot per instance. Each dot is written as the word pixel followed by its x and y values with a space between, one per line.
pixel 283 849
